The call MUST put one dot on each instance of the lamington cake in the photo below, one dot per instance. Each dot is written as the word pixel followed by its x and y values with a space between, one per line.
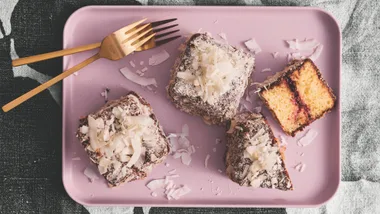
pixel 124 139
pixel 209 78
pixel 297 96
pixel 254 157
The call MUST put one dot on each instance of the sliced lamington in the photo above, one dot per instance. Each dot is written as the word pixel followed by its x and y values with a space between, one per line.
pixel 297 96
pixel 124 139
pixel 209 78
pixel 254 157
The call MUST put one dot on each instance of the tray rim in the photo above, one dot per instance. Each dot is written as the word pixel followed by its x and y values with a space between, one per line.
pixel 161 7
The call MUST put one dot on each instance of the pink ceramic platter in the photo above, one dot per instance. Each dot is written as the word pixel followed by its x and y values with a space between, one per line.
pixel 270 26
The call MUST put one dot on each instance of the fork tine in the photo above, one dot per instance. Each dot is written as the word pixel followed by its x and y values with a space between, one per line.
pixel 133 32
pixel 165 34
pixel 164 28
pixel 131 26
pixel 139 35
pixel 143 41
pixel 158 23
pixel 164 41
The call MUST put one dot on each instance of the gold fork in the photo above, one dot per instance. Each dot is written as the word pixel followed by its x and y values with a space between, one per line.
pixel 113 47
pixel 69 51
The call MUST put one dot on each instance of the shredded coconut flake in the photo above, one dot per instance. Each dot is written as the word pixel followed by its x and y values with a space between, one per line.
pixel 186 158
pixel 217 141
pixel 302 154
pixel 76 159
pixel 220 171
pixel 302 45
pixel 179 192
pixel 307 138
pixel 144 69
pixel 295 55
pixel 167 165
pixel 258 109
pixel 206 160
pixel 223 36
pixel 214 149
pixel 185 130
pixel 171 135
pixel 275 54
pixel 159 58
pixel 91 174
pixel 283 141
pixel 105 94
pixel 266 70
pixel 132 63
pixel 253 46
pixel 155 184
pixel 153 194
pixel 137 79
pixel 317 52
pixel 303 167
pixel 172 176
pixel 172 171
pixel 300 167
pixel 216 21
pixel 141 62
pixel 76 73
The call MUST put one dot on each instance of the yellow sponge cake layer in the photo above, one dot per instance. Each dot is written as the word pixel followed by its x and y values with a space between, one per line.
pixel 312 90
pixel 283 104
pixel 297 96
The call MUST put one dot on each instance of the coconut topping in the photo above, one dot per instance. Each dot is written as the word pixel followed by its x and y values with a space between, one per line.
pixel 121 141
pixel 212 71
pixel 253 157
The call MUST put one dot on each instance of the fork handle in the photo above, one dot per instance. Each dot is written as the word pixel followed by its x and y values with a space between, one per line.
pixel 49 83
pixel 54 54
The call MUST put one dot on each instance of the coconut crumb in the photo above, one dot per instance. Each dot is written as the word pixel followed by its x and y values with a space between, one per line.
pixel 76 159
pixel 159 58
pixel 308 138
pixel 253 46
pixel 105 94
pixel 90 174
pixel 206 160
pixel 217 141
pixel 275 54
pixel 223 36
pixel 266 70
pixel 214 149
pixel 132 64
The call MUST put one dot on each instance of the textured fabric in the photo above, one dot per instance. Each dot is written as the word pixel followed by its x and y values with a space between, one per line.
pixel 30 135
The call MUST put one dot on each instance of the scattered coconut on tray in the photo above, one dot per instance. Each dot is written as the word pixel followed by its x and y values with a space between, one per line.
pixel 308 138
pixel 253 46
pixel 159 58
pixel 127 73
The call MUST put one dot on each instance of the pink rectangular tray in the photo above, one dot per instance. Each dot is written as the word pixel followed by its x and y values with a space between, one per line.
pixel 270 26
